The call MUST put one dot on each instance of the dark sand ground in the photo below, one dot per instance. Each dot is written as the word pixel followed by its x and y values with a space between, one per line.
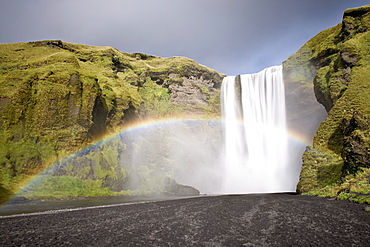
pixel 229 220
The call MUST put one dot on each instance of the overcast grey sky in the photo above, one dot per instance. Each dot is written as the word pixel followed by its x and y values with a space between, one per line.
pixel 230 36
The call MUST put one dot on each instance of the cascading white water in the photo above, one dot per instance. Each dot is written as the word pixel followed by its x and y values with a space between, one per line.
pixel 255 135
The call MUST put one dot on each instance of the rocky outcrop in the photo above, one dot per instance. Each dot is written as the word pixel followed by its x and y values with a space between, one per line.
pixel 57 98
pixel 356 143
pixel 173 188
pixel 337 163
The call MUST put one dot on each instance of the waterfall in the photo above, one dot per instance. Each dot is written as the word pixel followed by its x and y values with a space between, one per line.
pixel 255 136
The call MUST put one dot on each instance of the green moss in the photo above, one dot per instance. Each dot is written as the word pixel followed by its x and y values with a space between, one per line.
pixel 340 56
pixel 345 196
pixel 62 187
pixel 48 96
pixel 156 99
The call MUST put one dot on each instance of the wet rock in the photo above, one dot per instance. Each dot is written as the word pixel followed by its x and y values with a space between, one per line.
pixel 173 188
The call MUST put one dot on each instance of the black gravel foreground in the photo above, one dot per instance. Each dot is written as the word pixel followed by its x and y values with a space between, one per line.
pixel 229 220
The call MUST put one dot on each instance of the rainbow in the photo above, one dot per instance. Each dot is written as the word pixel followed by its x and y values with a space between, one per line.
pixel 128 128
pixel 294 136
pixel 299 138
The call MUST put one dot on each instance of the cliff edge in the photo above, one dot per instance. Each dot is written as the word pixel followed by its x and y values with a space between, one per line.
pixel 57 98
pixel 338 164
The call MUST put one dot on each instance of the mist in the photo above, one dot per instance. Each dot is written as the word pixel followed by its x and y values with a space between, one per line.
pixel 189 151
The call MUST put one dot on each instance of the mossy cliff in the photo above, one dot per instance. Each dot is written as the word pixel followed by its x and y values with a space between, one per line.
pixel 57 98
pixel 337 60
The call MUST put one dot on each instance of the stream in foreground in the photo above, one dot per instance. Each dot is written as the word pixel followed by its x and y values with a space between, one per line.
pixel 228 220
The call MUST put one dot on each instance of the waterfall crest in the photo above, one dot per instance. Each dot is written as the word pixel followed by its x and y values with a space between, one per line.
pixel 255 136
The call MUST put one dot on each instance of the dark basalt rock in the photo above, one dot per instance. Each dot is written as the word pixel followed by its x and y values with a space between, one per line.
pixel 349 59
pixel 56 44
pixel 173 188
pixel 357 12
pixel 356 152
pixel 354 21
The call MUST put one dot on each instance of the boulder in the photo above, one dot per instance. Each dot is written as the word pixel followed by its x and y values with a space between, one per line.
pixel 173 188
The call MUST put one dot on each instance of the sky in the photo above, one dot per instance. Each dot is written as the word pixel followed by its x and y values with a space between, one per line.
pixel 230 36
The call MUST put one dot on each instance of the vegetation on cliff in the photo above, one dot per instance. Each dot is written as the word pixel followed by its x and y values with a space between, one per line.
pixel 57 98
pixel 338 162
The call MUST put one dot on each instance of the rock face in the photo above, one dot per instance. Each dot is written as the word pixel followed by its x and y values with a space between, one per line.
pixel 176 189
pixel 356 140
pixel 192 92
pixel 337 162
pixel 57 98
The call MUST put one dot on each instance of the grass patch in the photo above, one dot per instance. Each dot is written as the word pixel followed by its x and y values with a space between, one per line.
pixel 62 187
pixel 48 102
